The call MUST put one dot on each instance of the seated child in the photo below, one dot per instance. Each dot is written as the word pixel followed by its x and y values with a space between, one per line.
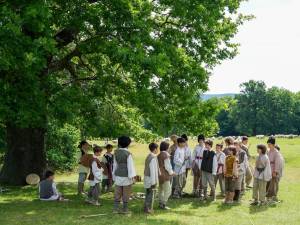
pixel 262 175
pixel 165 176
pixel 108 160
pixel 231 174
pixel 95 177
pixel 151 177
pixel 48 190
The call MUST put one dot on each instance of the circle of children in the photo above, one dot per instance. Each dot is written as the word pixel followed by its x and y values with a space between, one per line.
pixel 167 167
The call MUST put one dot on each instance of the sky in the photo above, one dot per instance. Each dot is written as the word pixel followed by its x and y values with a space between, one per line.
pixel 269 51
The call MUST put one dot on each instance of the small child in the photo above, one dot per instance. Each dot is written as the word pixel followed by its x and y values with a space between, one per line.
pixel 262 175
pixel 180 167
pixel 151 178
pixel 166 174
pixel 108 160
pixel 188 156
pixel 209 170
pixel 196 165
pixel 95 177
pixel 220 170
pixel 242 168
pixel 48 190
pixel 123 174
pixel 230 173
pixel 83 168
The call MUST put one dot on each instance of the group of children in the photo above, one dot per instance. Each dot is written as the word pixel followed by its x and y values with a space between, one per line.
pixel 167 168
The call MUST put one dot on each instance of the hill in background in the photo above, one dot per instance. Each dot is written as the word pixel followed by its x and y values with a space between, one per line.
pixel 209 96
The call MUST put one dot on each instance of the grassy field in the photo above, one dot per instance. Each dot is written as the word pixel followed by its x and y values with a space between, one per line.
pixel 21 206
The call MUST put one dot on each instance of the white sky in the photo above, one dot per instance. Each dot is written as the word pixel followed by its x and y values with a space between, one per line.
pixel 269 51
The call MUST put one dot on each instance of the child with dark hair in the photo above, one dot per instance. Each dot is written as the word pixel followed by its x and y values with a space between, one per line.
pixel 172 150
pixel 166 174
pixel 276 161
pixel 151 177
pixel 220 170
pixel 209 170
pixel 97 169
pixel 242 167
pixel 180 167
pixel 188 156
pixel 108 160
pixel 231 174
pixel 262 175
pixel 123 174
pixel 196 165
pixel 48 190
pixel 249 175
pixel 83 165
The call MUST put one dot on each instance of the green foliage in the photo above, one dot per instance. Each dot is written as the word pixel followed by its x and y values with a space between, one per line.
pixel 112 67
pixel 259 110
pixel 62 147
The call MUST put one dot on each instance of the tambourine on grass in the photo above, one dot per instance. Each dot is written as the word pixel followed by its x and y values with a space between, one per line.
pixel 33 179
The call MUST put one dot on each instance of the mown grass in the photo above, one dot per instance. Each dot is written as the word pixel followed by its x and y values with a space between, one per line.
pixel 20 205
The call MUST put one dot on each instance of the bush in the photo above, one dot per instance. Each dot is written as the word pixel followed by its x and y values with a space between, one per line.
pixel 61 146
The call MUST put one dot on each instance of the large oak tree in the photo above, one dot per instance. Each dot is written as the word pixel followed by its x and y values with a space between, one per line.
pixel 57 57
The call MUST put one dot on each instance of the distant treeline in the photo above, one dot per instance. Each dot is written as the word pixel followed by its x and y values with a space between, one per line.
pixel 259 110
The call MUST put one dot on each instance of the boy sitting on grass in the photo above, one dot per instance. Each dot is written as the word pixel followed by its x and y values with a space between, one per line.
pixel 48 190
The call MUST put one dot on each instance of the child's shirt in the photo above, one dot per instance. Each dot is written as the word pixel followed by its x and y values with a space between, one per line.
pixel 179 161
pixel 123 168
pixel 151 171
pixel 188 158
pixel 242 161
pixel 198 156
pixel 81 168
pixel 209 162
pixel 47 190
pixel 221 161
pixel 230 168
pixel 263 168
pixel 96 172
pixel 108 160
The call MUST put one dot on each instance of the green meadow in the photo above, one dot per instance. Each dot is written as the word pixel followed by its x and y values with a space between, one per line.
pixel 20 205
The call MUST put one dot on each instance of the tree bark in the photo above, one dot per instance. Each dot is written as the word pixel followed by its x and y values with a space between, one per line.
pixel 25 154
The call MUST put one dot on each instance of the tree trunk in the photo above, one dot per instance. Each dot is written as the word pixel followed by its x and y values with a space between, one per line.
pixel 25 154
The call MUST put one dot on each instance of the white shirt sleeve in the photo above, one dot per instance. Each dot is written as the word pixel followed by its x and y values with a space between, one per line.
pixel 168 166
pixel 115 166
pixel 96 171
pixel 215 165
pixel 222 159
pixel 131 169
pixel 194 154
pixel 153 171
pixel 177 159
pixel 55 191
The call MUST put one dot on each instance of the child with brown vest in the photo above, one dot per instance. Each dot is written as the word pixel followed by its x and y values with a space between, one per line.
pixel 97 169
pixel 151 172
pixel 166 174
pixel 230 173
